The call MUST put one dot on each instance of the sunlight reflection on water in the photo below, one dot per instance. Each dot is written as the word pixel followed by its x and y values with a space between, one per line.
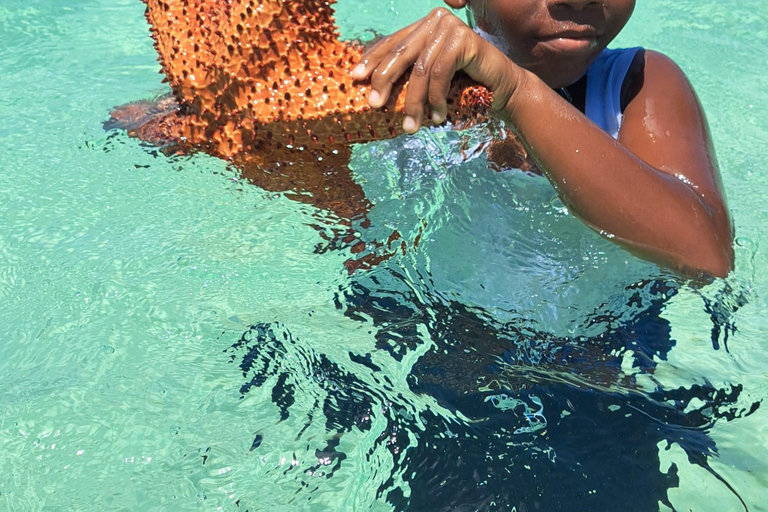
pixel 177 339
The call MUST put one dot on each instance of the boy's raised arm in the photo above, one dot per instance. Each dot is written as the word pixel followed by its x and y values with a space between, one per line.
pixel 656 191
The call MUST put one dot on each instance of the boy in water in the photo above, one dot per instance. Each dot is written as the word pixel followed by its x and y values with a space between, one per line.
pixel 620 134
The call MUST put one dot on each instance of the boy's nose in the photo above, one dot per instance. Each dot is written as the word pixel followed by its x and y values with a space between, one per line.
pixel 576 5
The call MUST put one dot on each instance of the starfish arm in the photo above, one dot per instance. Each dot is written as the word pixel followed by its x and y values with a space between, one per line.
pixel 272 76
pixel 266 85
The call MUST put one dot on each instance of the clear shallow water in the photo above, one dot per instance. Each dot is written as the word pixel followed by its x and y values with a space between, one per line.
pixel 177 339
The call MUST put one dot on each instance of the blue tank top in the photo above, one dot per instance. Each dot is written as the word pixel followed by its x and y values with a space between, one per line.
pixel 605 78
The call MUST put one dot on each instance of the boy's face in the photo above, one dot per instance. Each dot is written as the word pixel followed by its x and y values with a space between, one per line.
pixel 555 39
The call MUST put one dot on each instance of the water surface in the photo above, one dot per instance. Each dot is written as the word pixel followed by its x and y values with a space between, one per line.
pixel 178 339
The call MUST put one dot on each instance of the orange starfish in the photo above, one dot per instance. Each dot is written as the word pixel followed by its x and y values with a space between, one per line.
pixel 266 85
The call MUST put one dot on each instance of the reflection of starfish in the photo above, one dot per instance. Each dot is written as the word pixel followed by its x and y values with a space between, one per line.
pixel 265 84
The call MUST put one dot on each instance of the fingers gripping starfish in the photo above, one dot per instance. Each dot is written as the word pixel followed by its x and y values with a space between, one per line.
pixel 266 84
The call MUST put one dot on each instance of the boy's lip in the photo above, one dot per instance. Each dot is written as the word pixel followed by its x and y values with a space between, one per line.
pixel 576 31
pixel 570 41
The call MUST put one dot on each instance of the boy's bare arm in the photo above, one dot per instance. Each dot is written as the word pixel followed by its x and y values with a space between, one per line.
pixel 655 191
pixel 665 126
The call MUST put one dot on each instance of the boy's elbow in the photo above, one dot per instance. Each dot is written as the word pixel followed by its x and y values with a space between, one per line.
pixel 704 251
pixel 715 254
pixel 719 266
pixel 723 264
pixel 716 258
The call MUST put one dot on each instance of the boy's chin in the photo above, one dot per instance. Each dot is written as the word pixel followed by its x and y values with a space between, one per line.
pixel 558 76
pixel 559 81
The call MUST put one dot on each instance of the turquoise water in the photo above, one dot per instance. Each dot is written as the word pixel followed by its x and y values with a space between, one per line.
pixel 177 339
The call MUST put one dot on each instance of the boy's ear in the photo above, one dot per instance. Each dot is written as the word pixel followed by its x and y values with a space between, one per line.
pixel 456 4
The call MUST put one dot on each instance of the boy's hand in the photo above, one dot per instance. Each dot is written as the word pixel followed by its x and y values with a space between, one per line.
pixel 437 46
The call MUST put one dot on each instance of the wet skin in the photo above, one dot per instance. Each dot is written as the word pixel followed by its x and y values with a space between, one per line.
pixel 656 190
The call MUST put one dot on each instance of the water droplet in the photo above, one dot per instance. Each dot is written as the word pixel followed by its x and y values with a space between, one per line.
pixel 558 205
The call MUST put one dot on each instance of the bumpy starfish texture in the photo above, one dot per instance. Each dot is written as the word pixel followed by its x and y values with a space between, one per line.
pixel 258 80
pixel 265 84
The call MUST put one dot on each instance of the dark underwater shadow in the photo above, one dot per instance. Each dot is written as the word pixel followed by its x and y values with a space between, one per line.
pixel 534 422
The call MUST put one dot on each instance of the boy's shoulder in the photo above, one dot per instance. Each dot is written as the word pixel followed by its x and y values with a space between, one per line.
pixel 664 78
pixel 657 62
pixel 647 68
pixel 654 74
